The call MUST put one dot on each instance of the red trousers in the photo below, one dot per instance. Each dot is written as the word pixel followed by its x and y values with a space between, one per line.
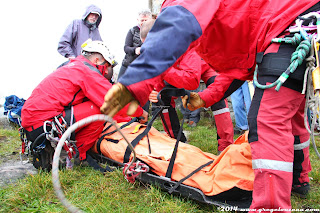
pixel 276 135
pixel 87 135
pixel 224 124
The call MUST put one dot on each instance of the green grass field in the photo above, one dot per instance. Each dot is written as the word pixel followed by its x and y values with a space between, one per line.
pixel 92 191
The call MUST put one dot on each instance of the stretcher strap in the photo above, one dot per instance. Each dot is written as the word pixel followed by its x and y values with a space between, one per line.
pixel 172 91
pixel 189 175
pixel 174 153
pixel 128 151
pixel 93 163
pixel 109 133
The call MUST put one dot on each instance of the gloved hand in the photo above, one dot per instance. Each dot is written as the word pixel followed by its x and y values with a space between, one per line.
pixel 153 96
pixel 116 98
pixel 195 101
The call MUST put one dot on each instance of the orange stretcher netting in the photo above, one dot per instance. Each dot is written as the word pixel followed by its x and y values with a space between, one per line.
pixel 232 168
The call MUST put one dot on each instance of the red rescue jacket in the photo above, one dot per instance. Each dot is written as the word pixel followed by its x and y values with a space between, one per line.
pixel 68 85
pixel 227 33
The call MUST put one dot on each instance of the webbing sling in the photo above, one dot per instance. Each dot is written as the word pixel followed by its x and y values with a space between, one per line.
pixel 128 151
pixel 189 175
pixel 169 91
pixel 172 91
pixel 109 133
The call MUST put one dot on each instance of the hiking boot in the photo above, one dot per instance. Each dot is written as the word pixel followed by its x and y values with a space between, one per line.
pixel 301 190
pixel 237 130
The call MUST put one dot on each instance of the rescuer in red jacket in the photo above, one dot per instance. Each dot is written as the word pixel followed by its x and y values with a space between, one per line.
pixel 186 73
pixel 76 91
pixel 228 35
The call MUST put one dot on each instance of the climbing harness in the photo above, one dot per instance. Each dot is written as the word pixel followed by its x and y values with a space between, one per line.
pixel 55 132
pixel 25 146
pixel 52 132
pixel 312 83
pixel 307 38
pixel 296 59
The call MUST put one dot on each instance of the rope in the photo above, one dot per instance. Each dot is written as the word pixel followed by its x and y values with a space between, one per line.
pixel 55 163
pixel 297 58
pixel 312 99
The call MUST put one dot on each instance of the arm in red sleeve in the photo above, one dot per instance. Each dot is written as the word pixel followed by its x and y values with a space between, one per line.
pixel 186 73
pixel 216 91
pixel 123 112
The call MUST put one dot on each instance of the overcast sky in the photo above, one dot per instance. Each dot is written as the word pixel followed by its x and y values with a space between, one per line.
pixel 31 30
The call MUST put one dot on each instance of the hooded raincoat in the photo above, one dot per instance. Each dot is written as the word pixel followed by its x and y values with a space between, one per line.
pixel 78 32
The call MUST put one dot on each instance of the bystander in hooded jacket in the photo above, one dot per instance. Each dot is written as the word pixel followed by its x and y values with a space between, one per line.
pixel 78 32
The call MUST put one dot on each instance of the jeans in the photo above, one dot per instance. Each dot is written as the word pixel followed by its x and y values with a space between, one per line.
pixel 241 102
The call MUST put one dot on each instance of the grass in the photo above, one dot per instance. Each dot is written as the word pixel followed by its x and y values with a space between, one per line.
pixel 93 192
pixel 10 144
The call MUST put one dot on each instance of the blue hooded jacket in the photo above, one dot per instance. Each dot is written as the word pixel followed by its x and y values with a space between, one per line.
pixel 78 32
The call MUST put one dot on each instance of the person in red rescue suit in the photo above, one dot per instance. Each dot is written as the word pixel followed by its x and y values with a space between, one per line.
pixel 228 35
pixel 186 73
pixel 77 87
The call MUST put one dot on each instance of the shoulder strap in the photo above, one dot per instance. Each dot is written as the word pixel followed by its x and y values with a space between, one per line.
pixel 91 67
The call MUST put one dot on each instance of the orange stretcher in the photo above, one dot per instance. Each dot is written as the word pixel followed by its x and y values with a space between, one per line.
pixel 224 180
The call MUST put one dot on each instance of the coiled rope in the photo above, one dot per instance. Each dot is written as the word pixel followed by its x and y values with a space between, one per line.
pixel 297 58
pixel 312 99
pixel 55 163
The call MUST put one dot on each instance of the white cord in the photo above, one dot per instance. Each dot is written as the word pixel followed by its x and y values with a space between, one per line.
pixel 56 157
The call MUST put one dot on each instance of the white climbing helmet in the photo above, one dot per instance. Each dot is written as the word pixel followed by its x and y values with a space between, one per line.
pixel 99 47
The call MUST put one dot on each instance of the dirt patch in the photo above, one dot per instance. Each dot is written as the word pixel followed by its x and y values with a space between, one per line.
pixel 12 166
pixel 12 170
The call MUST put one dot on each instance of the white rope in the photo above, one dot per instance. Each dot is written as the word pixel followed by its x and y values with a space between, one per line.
pixel 312 99
pixel 55 163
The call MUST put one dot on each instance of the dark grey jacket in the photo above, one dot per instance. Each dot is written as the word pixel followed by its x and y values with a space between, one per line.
pixel 132 42
pixel 78 32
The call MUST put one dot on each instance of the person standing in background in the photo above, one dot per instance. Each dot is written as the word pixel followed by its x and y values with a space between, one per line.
pixel 79 31
pixel 241 101
pixel 133 42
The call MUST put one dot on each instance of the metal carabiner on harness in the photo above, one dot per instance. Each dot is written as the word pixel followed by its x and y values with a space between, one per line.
pixel 56 132
pixel 317 15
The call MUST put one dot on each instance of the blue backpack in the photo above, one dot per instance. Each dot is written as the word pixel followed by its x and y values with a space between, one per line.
pixel 12 108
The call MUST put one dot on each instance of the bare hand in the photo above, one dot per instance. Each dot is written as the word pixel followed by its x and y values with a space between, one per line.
pixel 153 96
pixel 138 50
pixel 144 117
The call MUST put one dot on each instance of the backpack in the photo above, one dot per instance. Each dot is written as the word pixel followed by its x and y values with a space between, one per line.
pixel 12 108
